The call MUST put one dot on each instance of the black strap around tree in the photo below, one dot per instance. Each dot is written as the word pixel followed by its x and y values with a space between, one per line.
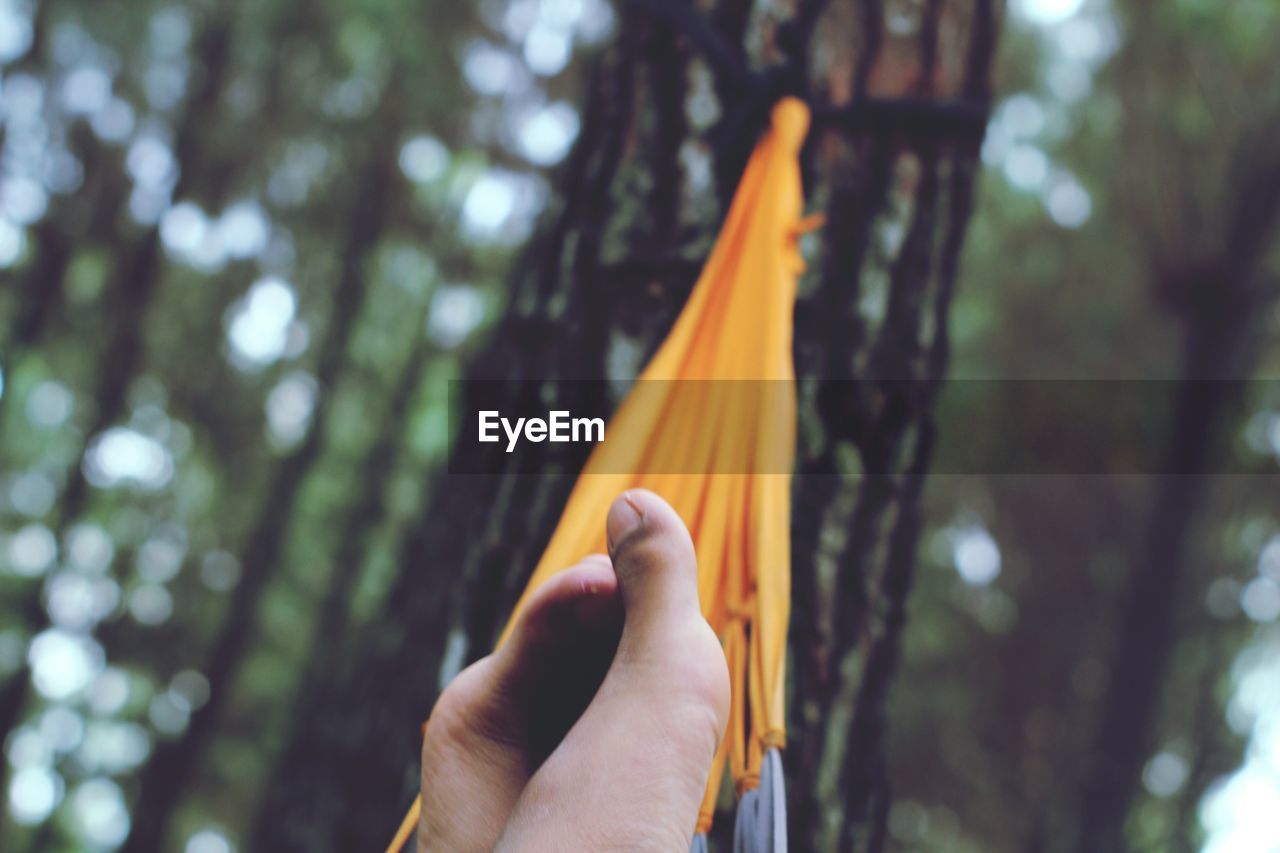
pixel 754 93
pixel 964 117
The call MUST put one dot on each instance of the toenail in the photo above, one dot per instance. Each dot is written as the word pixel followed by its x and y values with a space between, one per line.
pixel 623 523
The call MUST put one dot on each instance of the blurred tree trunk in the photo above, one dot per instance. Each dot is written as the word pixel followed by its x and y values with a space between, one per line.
pixel 135 278
pixel 599 285
pixel 1220 303
pixel 171 770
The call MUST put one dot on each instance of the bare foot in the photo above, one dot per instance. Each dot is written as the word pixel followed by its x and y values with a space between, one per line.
pixel 595 724
pixel 500 718
pixel 631 772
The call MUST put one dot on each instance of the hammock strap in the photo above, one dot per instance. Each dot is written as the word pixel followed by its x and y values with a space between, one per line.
pixel 407 827
pixel 965 116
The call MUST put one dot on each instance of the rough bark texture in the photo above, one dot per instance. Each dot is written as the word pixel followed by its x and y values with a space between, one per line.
pixel 597 289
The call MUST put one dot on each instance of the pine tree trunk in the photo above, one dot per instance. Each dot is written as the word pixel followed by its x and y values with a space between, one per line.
pixel 599 285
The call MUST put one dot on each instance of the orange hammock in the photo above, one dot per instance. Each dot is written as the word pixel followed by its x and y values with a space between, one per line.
pixel 710 426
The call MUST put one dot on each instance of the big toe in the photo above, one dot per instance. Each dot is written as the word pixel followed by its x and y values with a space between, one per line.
pixel 668 659
pixel 635 764
pixel 654 560
pixel 499 718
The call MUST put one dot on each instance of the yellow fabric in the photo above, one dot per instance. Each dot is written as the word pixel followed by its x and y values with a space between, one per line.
pixel 710 426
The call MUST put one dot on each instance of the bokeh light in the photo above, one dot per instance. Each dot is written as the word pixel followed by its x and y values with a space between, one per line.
pixel 63 663
pixel 1047 11
pixel 289 407
pixel 259 326
pixel 98 808
pixel 456 310
pixel 31 550
pixel 33 794
pixel 546 133
pixel 208 841
pixel 976 555
pixel 124 456
pixel 424 158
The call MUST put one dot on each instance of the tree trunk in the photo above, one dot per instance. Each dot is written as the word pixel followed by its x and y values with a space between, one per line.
pixel 599 286
pixel 172 768
pixel 1220 304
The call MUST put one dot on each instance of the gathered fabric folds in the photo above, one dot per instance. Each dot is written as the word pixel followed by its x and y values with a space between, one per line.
pixel 710 426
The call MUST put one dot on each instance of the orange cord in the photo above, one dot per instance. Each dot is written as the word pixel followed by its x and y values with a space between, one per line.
pixel 407 826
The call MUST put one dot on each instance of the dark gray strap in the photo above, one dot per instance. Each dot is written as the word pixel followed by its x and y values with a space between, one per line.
pixel 760 824
pixel 772 807
pixel 745 826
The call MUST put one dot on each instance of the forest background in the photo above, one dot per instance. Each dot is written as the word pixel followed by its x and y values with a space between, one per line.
pixel 244 247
